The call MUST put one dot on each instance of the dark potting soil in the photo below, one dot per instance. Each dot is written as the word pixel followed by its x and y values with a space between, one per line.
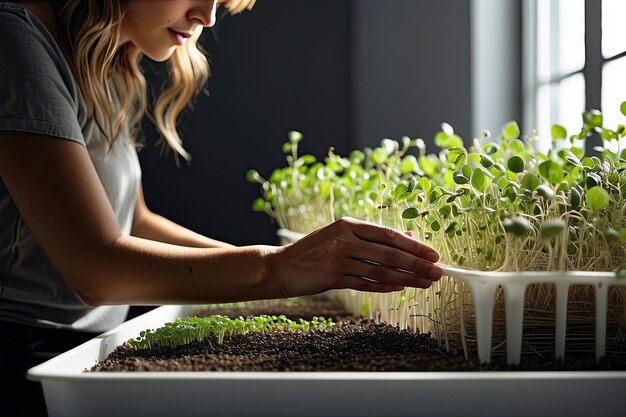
pixel 353 344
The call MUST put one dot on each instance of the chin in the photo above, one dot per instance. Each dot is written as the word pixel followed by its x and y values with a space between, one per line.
pixel 160 56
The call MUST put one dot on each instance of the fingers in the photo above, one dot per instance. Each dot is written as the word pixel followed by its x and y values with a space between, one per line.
pixel 351 253
pixel 387 236
pixel 397 258
pixel 361 284
pixel 380 272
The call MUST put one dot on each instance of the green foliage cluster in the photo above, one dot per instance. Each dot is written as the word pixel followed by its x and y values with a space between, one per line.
pixel 489 205
pixel 193 329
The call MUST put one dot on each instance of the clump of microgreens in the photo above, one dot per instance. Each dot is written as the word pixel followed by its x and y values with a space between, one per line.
pixel 556 211
pixel 195 329
pixel 494 205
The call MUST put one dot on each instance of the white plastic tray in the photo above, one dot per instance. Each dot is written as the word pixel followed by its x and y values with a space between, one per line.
pixel 69 391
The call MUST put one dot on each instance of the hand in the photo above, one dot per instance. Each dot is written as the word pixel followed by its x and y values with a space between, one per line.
pixel 351 253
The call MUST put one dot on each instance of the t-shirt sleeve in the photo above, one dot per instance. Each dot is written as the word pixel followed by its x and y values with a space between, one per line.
pixel 38 93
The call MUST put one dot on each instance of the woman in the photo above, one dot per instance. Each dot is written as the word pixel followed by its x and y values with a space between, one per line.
pixel 77 243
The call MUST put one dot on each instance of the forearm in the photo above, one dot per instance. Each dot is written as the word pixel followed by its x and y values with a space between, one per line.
pixel 132 270
pixel 151 226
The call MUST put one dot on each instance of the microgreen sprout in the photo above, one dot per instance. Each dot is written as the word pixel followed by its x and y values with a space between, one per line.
pixel 194 329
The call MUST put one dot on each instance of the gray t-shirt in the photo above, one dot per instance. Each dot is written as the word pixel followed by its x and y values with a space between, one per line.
pixel 38 94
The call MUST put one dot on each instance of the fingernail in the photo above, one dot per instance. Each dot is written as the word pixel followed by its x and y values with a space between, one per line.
pixel 435 274
pixel 432 256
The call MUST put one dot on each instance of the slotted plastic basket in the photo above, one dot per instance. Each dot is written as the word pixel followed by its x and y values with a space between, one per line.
pixel 484 286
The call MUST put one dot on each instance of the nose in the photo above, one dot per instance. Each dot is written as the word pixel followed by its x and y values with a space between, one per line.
pixel 203 14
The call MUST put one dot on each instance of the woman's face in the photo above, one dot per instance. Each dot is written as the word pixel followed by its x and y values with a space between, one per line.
pixel 158 27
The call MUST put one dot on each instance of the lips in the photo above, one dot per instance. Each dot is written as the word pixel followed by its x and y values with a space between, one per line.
pixel 179 37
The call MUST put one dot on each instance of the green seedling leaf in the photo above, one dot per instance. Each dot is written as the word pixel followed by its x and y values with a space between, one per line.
pixel 607 134
pixel 498 167
pixel 411 184
pixel 459 178
pixel 254 177
pixel 295 137
pixel 578 152
pixel 592 118
pixel 587 162
pixel 356 156
pixel 428 164
pixel 551 171
pixel 597 198
pixel 530 181
pixel 451 229
pixel 558 132
pixel 545 191
pixel 510 131
pixel 308 159
pixel 490 148
pixel 486 161
pixel 622 108
pixel 574 161
pixel 425 184
pixel 379 156
pixel 446 138
pixel 515 164
pixel 258 205
pixel 409 164
pixel 574 199
pixel 479 182
pixel 410 213
pixel 593 180
pixel 517 226
pixel 390 146
pixel 399 190
pixel 551 228
pixel 457 156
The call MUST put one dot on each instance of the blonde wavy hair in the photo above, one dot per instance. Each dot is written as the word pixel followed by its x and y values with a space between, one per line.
pixel 109 72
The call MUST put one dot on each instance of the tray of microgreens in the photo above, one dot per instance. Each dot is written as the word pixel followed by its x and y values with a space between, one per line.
pixel 493 204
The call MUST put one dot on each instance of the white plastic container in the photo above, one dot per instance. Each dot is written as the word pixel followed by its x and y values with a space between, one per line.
pixel 70 391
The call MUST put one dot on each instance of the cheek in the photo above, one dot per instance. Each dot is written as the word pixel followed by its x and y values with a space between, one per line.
pixel 149 16
pixel 146 24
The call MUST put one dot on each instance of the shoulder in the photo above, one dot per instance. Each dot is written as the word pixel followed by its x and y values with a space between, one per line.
pixel 21 31
pixel 14 16
pixel 38 92
pixel 28 45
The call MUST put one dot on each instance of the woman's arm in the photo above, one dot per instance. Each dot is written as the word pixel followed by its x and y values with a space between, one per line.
pixel 58 193
pixel 151 226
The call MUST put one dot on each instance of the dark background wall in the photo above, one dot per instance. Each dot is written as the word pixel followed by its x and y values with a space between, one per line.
pixel 345 73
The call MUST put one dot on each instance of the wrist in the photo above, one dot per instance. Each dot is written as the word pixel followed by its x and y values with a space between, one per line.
pixel 270 261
